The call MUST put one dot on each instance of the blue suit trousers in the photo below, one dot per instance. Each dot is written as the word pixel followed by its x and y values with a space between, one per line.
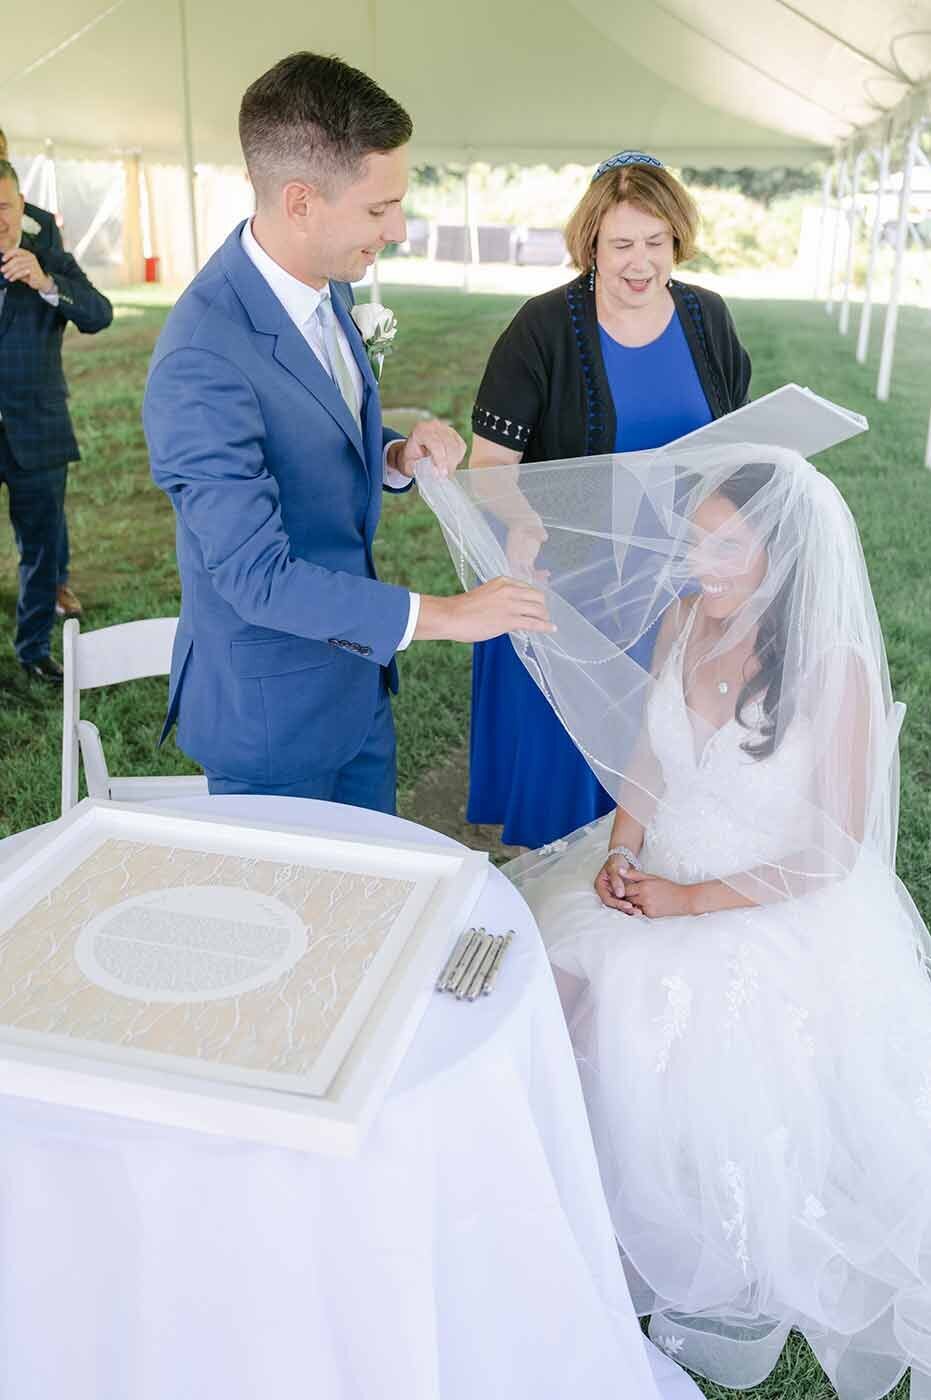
pixel 367 780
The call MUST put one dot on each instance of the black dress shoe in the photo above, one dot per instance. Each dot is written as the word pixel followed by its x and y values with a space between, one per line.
pixel 46 669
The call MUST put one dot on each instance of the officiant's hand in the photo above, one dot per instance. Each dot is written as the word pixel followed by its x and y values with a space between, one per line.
pixel 610 885
pixel 433 439
pixel 524 542
pixel 503 605
pixel 655 897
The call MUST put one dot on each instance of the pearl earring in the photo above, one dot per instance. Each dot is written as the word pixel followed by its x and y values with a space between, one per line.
pixel 591 279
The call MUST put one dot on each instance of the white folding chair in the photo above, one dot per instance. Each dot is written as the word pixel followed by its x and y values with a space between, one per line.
pixel 127 652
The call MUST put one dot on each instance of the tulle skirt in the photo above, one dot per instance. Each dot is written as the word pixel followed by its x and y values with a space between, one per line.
pixel 759 1088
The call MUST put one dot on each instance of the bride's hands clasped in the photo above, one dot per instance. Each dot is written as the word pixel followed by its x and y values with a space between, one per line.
pixel 636 892
pixel 611 885
pixel 655 897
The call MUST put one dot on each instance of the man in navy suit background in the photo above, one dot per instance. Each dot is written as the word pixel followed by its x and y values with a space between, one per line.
pixel 42 226
pixel 40 291
pixel 264 429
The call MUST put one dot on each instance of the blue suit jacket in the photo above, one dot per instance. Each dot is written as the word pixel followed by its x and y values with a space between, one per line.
pixel 284 626
pixel 33 392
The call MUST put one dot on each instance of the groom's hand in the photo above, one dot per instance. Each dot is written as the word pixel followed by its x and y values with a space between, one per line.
pixel 433 439
pixel 503 605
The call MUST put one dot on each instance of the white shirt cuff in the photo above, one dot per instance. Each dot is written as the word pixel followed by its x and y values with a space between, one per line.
pixel 413 618
pixel 51 297
pixel 395 479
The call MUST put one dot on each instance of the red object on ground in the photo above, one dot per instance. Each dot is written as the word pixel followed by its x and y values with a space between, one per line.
pixel 151 269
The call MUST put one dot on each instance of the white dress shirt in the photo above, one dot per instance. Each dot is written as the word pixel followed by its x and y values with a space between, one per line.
pixel 301 302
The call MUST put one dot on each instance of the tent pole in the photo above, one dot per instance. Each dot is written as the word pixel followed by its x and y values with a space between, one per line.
pixel 375 282
pixel 50 197
pixel 895 291
pixel 843 321
pixel 822 228
pixel 188 130
pixel 866 315
pixel 838 214
pixel 133 256
pixel 467 222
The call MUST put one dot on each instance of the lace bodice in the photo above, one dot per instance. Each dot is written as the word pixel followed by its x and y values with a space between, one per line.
pixel 722 810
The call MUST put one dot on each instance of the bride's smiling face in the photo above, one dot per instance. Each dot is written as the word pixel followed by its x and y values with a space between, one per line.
pixel 728 561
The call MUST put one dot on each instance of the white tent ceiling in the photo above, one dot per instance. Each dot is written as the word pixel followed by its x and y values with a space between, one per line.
pixel 715 82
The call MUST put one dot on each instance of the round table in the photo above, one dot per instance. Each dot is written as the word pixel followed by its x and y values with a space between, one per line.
pixel 464 1254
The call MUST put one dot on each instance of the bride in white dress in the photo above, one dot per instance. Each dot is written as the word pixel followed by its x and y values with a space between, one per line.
pixel 744 977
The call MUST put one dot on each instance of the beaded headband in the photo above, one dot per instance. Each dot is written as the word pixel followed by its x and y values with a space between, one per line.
pixel 625 158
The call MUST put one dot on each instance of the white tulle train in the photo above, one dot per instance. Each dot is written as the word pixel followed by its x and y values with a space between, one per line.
pixel 759 1087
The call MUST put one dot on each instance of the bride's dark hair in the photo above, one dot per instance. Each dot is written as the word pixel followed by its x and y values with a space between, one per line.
pixel 769 647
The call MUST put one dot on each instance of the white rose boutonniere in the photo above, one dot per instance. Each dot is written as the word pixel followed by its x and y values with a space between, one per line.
pixel 30 226
pixel 378 327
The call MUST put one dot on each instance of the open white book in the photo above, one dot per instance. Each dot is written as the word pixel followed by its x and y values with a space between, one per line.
pixel 790 417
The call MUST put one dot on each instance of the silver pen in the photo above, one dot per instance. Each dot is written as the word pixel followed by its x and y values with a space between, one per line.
pixel 465 978
pixel 452 960
pixel 474 935
pixel 478 977
pixel 492 975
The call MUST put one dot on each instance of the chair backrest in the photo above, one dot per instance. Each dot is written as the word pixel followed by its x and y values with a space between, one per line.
pixel 127 652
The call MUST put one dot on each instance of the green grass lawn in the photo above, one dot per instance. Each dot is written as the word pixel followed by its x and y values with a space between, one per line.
pixel 124 568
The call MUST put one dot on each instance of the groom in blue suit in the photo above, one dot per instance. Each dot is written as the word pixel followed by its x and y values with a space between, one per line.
pixel 264 429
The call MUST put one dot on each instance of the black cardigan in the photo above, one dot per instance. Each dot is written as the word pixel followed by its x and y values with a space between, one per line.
pixel 545 392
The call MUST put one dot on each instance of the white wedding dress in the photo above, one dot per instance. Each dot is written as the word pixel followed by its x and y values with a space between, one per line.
pixel 758 1080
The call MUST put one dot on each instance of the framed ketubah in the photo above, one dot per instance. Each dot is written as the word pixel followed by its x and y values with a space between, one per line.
pixel 248 980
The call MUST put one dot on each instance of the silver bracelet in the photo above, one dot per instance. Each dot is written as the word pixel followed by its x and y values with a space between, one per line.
pixel 628 855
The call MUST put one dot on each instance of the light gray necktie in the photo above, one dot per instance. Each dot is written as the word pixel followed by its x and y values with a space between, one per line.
pixel 339 370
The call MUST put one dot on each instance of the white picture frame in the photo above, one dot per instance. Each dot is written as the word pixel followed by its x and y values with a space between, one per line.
pixel 791 416
pixel 419 899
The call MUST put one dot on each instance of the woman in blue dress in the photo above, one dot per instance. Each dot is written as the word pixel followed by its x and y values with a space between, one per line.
pixel 622 358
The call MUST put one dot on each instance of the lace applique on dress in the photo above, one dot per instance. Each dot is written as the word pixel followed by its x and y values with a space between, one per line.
pixel 675 1018
pixel 735 1229
pixel 743 984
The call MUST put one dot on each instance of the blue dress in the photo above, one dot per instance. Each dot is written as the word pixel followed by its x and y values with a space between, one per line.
pixel 524 770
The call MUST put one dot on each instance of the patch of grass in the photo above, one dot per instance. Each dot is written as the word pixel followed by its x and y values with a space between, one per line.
pixel 123 545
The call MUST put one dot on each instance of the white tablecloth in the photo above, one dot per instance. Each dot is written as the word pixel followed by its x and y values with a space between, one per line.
pixel 465 1254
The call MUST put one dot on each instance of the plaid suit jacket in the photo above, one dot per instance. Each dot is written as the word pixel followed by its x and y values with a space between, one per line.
pixel 33 392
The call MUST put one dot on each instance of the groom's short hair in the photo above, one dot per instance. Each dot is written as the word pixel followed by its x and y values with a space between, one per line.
pixel 314 118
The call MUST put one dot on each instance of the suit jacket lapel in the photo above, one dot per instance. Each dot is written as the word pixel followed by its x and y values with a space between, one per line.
pixel 354 336
pixel 292 352
pixel 371 407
